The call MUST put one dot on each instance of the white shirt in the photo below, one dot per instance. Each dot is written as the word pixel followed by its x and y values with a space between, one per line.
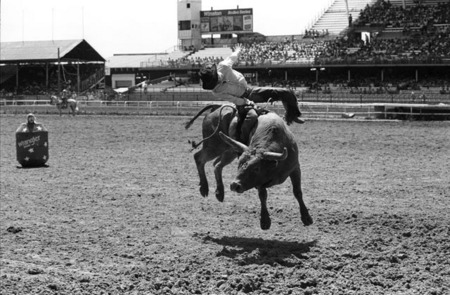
pixel 232 84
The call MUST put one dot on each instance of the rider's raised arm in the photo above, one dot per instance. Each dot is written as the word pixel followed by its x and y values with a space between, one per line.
pixel 233 58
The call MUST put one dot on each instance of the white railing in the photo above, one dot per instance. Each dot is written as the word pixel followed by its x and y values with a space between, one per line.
pixel 5 102
pixel 309 109
pixel 104 103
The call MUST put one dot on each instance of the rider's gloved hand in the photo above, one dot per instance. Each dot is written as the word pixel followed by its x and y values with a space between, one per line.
pixel 249 103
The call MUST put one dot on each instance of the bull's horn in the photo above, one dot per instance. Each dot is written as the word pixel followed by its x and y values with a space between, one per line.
pixel 276 156
pixel 236 145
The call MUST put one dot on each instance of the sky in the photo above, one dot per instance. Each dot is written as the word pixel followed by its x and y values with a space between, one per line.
pixel 138 26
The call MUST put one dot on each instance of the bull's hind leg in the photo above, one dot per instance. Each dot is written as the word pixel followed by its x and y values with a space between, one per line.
pixel 201 158
pixel 265 221
pixel 296 185
pixel 226 158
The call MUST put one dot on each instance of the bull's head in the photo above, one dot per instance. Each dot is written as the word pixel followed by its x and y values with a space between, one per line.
pixel 256 168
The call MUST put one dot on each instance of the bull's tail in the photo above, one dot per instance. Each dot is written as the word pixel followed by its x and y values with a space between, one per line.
pixel 195 144
pixel 213 107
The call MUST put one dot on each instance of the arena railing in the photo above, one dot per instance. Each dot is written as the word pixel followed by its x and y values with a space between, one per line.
pixel 6 102
pixel 312 110
pixel 335 96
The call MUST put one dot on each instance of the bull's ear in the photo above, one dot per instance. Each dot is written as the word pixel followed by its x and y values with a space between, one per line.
pixel 236 145
pixel 276 156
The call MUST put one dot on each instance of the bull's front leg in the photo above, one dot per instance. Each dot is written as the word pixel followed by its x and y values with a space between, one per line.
pixel 296 185
pixel 226 158
pixel 265 217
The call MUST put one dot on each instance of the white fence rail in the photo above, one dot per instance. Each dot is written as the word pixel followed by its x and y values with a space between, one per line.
pixel 104 103
pixel 309 109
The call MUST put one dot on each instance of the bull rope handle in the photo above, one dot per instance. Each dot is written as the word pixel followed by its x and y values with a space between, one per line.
pixel 196 145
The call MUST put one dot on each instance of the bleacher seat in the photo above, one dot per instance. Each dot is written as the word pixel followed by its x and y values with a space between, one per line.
pixel 218 52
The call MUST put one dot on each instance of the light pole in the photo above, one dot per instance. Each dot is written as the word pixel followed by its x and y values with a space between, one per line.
pixel 317 69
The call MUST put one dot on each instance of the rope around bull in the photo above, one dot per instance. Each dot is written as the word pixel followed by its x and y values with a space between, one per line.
pixel 196 145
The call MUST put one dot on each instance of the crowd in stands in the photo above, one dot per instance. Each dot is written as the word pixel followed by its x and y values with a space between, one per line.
pixel 32 80
pixel 262 53
pixel 430 47
pixel 272 53
pixel 424 50
pixel 316 33
pixel 192 61
pixel 424 17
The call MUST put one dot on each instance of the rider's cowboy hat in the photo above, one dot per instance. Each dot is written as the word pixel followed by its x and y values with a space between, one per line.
pixel 208 75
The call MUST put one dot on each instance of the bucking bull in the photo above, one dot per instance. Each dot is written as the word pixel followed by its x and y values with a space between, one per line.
pixel 270 158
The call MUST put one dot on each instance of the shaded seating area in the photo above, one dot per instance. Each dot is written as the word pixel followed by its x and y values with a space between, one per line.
pixel 40 67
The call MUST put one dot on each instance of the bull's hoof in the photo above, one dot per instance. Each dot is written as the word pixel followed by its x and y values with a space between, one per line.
pixel 204 190
pixel 220 194
pixel 307 220
pixel 265 224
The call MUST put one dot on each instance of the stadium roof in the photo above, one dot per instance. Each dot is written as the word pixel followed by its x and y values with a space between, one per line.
pixel 47 51
pixel 131 60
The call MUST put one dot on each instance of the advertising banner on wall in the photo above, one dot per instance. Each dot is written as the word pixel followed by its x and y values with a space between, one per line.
pixel 226 21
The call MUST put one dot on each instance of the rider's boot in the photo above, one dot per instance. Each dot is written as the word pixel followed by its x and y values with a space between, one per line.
pixel 290 104
pixel 247 126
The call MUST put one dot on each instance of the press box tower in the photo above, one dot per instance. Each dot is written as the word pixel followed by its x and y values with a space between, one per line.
pixel 189 34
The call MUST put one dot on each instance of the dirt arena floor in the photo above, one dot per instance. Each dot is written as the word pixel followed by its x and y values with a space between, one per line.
pixel 118 211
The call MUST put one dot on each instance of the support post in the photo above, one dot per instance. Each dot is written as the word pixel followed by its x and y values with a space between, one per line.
pixel 17 77
pixel 78 77
pixel 59 74
pixel 47 83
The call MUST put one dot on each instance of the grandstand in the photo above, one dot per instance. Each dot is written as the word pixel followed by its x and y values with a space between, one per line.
pixel 45 67
pixel 335 18
pixel 388 51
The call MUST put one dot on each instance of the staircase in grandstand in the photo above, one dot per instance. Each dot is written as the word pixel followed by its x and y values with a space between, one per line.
pixel 335 18
pixel 93 80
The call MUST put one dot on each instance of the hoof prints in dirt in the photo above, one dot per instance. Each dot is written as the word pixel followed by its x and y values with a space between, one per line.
pixel 118 215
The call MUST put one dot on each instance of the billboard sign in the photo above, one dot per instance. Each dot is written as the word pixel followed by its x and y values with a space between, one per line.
pixel 226 21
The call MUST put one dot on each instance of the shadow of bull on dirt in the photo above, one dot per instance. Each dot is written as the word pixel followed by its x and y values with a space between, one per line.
pixel 260 251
